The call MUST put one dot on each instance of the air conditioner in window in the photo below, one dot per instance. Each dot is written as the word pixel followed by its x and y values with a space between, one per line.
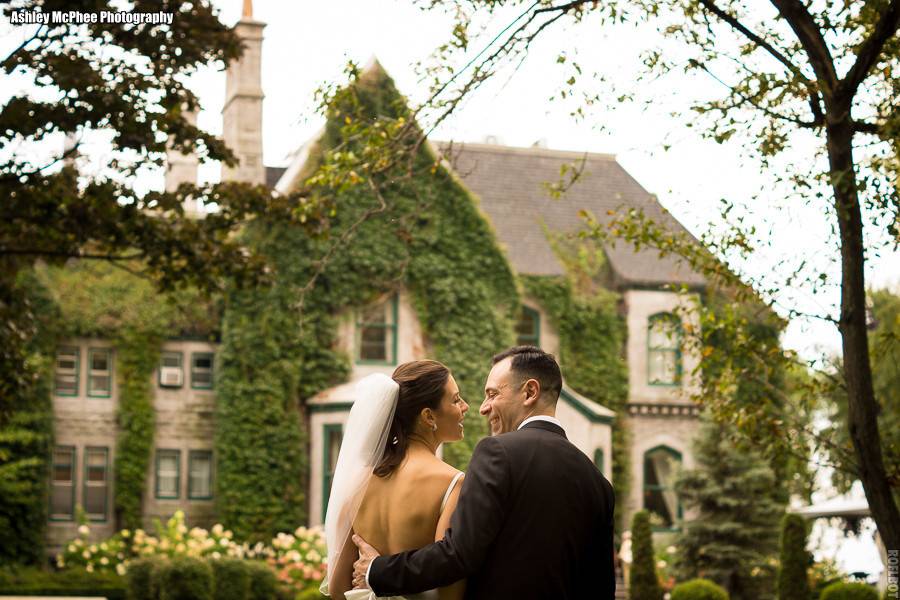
pixel 171 377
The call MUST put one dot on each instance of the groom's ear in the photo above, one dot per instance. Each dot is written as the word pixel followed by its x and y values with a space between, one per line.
pixel 532 392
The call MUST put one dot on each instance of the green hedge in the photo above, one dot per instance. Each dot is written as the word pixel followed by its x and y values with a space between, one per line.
pixel 699 589
pixel 263 585
pixel 141 579
pixel 644 583
pixel 184 578
pixel 849 591
pixel 793 578
pixel 37 582
pixel 232 579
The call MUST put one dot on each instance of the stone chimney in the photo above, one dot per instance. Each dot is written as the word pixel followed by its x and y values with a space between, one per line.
pixel 242 114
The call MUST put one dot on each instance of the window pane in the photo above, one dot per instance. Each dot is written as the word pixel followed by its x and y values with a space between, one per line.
pixel 61 501
pixel 374 343
pixel 167 474
pixel 63 463
pixel 526 323
pixel 660 468
pixel 201 370
pixel 663 366
pixel 62 484
pixel 99 384
pixel 664 333
pixel 171 359
pixel 100 360
pixel 376 315
pixel 334 447
pixel 95 501
pixel 66 375
pixel 200 484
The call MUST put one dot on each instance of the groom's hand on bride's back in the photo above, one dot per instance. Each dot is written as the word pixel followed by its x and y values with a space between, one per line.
pixel 361 567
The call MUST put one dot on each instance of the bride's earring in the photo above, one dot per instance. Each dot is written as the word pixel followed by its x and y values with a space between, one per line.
pixel 434 426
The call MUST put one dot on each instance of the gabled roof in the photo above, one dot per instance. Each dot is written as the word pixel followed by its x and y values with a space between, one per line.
pixel 512 185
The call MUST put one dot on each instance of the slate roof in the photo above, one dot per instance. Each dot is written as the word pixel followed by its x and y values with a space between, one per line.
pixel 511 184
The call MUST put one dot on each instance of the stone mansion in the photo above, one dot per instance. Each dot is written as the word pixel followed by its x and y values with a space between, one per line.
pixel 509 184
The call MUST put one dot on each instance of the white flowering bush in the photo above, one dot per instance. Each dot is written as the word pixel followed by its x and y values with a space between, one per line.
pixel 298 558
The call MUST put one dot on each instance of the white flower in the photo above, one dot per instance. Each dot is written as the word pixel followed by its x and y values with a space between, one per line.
pixel 126 533
pixel 216 555
pixel 661 564
pixel 86 554
pixel 93 547
pixel 120 569
pixel 104 561
pixel 72 548
pixel 217 529
pixel 180 548
pixel 89 568
pixel 104 547
pixel 60 562
pixel 84 530
pixel 227 534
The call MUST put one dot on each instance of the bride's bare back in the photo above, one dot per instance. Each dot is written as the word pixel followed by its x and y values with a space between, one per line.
pixel 403 511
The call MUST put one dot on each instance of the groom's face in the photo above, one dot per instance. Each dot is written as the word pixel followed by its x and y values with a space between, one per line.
pixel 503 399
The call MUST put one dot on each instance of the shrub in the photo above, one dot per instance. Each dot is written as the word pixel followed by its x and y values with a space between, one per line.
pixel 643 584
pixel 184 578
pixel 263 585
pixel 232 579
pixel 793 579
pixel 37 582
pixel 699 589
pixel 849 591
pixel 141 579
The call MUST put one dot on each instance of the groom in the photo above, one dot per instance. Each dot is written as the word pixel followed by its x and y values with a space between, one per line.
pixel 534 518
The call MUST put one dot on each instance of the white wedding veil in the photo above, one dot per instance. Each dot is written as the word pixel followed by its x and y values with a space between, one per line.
pixel 365 436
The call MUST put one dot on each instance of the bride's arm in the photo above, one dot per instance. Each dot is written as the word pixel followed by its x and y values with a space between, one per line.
pixel 343 569
pixel 457 590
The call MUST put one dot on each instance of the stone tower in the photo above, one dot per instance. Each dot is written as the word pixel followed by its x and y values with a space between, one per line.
pixel 242 114
pixel 181 168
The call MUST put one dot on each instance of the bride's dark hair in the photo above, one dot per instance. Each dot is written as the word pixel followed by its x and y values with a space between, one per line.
pixel 422 384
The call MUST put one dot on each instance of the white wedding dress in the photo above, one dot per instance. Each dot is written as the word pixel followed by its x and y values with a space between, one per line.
pixel 365 436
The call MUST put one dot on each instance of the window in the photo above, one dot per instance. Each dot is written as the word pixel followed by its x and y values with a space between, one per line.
pixel 202 371
pixel 96 483
pixel 99 372
pixel 664 350
pixel 170 371
pixel 598 459
pixel 62 484
pixel 660 468
pixel 377 334
pixel 66 379
pixel 168 474
pixel 200 475
pixel 333 435
pixel 528 328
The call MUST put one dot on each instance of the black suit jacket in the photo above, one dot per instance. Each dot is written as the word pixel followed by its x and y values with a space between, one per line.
pixel 534 520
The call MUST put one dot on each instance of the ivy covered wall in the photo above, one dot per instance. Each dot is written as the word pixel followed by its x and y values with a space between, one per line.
pixel 429 238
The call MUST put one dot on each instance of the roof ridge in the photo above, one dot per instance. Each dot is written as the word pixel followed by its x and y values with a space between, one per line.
pixel 529 150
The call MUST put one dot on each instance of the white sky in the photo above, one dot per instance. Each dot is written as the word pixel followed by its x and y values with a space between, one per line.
pixel 307 43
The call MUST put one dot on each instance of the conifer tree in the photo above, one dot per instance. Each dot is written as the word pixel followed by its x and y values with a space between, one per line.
pixel 643 584
pixel 733 535
pixel 793 580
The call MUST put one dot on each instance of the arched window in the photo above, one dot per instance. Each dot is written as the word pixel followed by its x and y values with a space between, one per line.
pixel 661 465
pixel 664 350
pixel 528 328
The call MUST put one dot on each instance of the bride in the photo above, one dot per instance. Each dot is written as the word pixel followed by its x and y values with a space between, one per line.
pixel 389 485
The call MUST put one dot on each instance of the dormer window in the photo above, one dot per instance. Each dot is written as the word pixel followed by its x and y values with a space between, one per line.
pixel 664 350
pixel 376 333
pixel 528 328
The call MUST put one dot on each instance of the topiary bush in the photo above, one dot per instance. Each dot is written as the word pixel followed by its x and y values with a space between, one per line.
pixel 263 584
pixel 793 579
pixel 232 577
pixel 75 582
pixel 849 591
pixel 184 578
pixel 699 589
pixel 141 579
pixel 643 584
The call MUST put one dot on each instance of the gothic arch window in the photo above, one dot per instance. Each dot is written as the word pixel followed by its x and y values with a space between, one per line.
pixel 528 327
pixel 661 465
pixel 664 338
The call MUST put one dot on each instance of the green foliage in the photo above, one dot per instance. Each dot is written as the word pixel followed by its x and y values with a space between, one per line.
pixel 142 579
pixel 184 578
pixel 849 591
pixel 734 537
pixel 793 578
pixel 263 585
pixel 391 231
pixel 592 338
pixel 38 582
pixel 644 583
pixel 699 589
pixel 232 579
pixel 28 315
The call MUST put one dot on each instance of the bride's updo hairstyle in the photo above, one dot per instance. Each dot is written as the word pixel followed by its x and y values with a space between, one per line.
pixel 422 385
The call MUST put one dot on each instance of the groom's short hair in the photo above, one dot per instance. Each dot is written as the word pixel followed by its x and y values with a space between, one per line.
pixel 530 362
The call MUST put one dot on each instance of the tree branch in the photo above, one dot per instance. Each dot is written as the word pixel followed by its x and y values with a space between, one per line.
pixel 810 36
pixel 871 49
